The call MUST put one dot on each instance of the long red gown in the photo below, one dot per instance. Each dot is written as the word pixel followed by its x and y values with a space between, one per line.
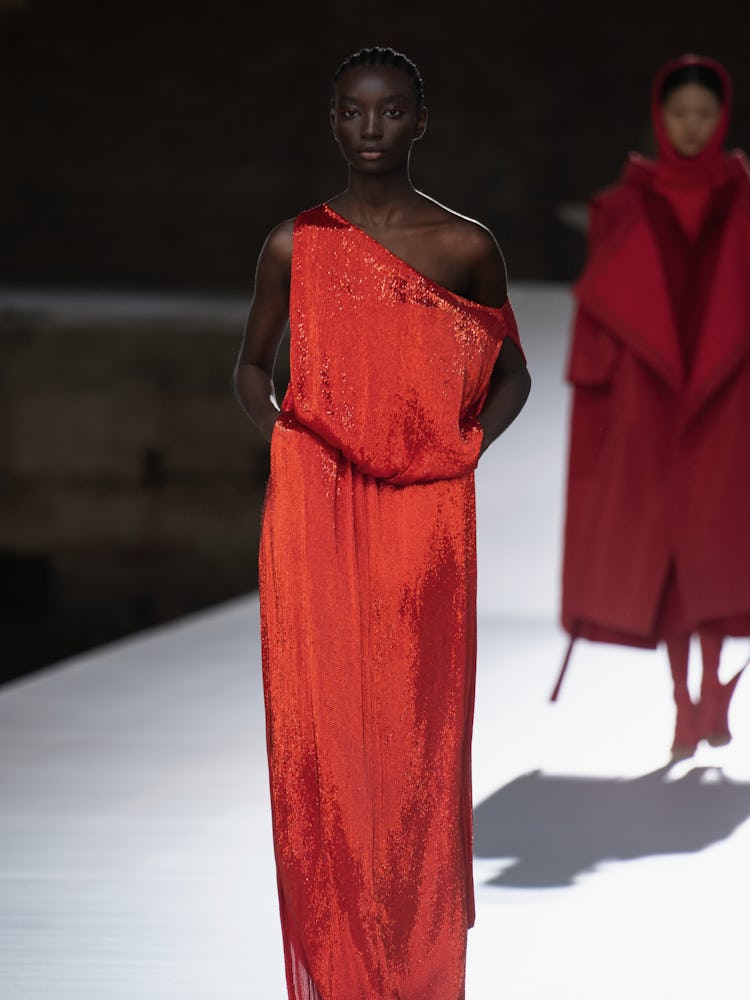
pixel 368 585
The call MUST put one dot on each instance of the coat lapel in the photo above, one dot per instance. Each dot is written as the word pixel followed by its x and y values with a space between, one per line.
pixel 624 288
pixel 725 332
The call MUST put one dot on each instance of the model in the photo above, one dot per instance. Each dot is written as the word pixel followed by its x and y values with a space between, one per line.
pixel 657 537
pixel 405 365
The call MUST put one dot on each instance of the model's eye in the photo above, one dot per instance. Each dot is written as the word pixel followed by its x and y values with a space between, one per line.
pixel 347 113
pixel 394 113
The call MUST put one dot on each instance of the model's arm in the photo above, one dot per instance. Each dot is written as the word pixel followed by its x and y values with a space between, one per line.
pixel 509 389
pixel 510 382
pixel 264 328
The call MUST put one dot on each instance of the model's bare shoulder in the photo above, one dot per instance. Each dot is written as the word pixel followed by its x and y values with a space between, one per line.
pixel 477 241
pixel 473 245
pixel 462 234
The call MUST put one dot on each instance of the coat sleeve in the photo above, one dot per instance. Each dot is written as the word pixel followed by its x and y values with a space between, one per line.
pixel 594 352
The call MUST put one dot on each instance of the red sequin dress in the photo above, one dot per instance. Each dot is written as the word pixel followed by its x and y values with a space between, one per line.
pixel 368 584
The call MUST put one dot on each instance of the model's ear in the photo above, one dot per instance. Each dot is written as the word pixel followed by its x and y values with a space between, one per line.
pixel 421 124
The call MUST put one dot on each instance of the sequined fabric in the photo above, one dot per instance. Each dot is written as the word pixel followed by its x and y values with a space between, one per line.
pixel 368 587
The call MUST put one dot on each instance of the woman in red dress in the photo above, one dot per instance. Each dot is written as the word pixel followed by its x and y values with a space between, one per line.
pixel 657 539
pixel 405 365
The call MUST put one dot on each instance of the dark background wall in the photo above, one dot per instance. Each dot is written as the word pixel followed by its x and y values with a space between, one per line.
pixel 154 144
pixel 149 148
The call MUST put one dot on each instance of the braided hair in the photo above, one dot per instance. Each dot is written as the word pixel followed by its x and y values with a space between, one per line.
pixel 379 55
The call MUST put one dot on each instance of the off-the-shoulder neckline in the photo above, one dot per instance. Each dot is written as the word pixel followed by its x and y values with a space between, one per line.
pixel 400 260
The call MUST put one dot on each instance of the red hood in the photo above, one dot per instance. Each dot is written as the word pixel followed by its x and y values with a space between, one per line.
pixel 716 143
pixel 710 164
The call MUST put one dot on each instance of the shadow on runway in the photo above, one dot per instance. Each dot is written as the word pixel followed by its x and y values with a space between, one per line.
pixel 558 827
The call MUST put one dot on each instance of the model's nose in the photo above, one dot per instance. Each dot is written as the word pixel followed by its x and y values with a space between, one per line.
pixel 371 124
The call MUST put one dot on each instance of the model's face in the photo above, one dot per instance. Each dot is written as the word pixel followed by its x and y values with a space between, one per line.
pixel 375 118
pixel 690 115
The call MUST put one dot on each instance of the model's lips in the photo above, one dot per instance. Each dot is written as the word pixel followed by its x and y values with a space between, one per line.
pixel 371 154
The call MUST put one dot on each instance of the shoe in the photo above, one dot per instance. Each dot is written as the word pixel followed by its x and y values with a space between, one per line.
pixel 713 713
pixel 686 736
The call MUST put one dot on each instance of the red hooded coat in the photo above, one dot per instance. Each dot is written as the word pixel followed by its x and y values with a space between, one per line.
pixel 657 534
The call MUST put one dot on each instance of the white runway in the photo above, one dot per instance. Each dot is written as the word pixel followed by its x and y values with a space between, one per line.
pixel 136 860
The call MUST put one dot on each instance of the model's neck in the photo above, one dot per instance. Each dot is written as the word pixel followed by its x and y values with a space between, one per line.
pixel 378 199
